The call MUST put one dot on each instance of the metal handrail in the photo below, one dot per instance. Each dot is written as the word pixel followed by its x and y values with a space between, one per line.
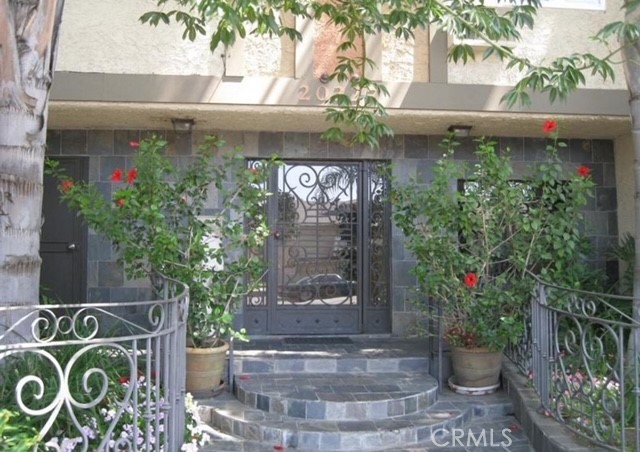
pixel 70 354
pixel 584 367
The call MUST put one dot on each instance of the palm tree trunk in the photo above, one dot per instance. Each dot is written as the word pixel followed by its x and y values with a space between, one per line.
pixel 28 41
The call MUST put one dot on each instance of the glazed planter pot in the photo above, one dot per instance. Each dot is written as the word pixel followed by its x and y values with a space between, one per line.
pixel 205 368
pixel 476 367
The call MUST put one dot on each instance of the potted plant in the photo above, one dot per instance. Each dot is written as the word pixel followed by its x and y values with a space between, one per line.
pixel 476 233
pixel 158 224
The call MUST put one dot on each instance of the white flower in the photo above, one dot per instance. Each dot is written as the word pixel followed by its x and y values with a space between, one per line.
pixel 53 443
pixel 109 414
pixel 68 444
pixel 189 447
pixel 88 432
pixel 204 439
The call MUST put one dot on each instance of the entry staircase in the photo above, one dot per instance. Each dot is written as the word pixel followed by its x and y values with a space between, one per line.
pixel 320 394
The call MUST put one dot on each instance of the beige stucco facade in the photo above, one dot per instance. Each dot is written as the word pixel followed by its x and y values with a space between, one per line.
pixel 105 36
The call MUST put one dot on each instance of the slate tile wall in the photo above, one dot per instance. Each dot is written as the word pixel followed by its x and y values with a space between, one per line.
pixel 412 155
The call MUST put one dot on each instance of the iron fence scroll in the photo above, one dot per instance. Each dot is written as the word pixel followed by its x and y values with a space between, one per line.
pixel 582 359
pixel 102 376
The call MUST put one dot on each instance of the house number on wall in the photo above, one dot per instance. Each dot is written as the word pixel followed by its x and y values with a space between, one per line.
pixel 320 93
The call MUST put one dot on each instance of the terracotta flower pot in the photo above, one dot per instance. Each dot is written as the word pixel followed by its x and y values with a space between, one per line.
pixel 476 367
pixel 205 368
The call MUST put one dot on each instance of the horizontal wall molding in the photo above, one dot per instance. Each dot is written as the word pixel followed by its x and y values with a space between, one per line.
pixel 117 101
pixel 288 92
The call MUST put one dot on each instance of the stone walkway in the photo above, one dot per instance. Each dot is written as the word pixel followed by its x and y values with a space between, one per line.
pixel 352 395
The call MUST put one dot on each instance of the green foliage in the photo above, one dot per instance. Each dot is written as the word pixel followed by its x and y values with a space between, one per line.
pixel 17 367
pixel 474 247
pixel 99 383
pixel 158 225
pixel 361 113
pixel 15 436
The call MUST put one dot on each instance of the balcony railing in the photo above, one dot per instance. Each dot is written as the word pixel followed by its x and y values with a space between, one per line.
pixel 103 376
pixel 581 354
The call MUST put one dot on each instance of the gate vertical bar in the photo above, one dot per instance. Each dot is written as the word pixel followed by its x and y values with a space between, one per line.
pixel 535 335
pixel 546 350
pixel 621 374
pixel 363 239
pixel 179 339
pixel 636 381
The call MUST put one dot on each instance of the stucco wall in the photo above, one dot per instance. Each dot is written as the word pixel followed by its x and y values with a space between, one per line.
pixel 106 36
pixel 558 32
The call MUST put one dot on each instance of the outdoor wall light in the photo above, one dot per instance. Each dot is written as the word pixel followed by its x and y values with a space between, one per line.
pixel 460 131
pixel 183 125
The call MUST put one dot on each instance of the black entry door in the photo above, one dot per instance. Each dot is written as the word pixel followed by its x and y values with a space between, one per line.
pixel 328 254
pixel 63 243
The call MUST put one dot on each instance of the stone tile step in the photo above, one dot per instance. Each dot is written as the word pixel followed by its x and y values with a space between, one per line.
pixel 501 433
pixel 489 411
pixel 338 397
pixel 468 439
pixel 372 355
pixel 231 416
pixel 250 365
pixel 240 446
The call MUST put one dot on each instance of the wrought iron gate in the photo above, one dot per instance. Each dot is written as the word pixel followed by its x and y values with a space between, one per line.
pixel 329 252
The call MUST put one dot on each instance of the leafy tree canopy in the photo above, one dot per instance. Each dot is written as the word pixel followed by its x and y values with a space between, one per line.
pixel 362 111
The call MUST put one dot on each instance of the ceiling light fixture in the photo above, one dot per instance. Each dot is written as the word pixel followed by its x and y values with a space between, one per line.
pixel 183 125
pixel 461 131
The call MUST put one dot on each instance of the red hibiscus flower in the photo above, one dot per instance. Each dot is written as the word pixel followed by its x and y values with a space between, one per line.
pixel 470 280
pixel 116 176
pixel 549 126
pixel 584 171
pixel 131 175
pixel 66 185
pixel 134 144
pixel 120 202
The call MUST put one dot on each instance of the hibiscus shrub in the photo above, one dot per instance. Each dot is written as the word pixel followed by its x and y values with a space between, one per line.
pixel 158 221
pixel 475 245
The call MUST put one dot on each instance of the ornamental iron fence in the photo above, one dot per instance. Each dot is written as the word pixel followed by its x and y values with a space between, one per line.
pixel 580 354
pixel 101 376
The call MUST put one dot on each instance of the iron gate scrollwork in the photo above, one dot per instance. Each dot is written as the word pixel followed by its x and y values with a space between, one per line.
pixel 328 254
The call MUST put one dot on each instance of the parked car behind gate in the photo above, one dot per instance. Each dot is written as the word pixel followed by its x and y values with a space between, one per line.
pixel 329 285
